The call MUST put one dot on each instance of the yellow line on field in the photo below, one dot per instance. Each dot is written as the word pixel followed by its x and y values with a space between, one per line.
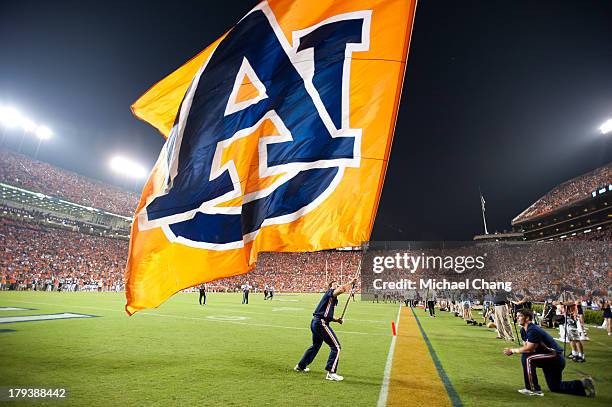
pixel 414 379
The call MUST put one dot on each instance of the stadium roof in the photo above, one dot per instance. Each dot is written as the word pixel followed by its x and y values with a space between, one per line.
pixel 567 193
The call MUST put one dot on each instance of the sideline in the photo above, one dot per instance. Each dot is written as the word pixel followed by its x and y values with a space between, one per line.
pixel 384 388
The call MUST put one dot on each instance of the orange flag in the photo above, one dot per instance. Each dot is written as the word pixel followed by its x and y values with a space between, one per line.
pixel 277 139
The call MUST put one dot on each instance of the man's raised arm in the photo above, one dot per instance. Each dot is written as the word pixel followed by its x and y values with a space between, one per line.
pixel 344 288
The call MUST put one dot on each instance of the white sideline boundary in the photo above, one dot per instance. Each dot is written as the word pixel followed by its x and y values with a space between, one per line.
pixel 384 388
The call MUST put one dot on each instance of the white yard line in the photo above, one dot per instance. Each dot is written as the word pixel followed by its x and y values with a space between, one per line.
pixel 384 388
pixel 196 318
pixel 605 345
pixel 377 321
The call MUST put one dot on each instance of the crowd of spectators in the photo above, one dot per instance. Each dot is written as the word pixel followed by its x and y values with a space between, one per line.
pixel 569 192
pixel 22 171
pixel 298 272
pixel 594 235
pixel 539 269
pixel 42 257
pixel 546 269
pixel 35 255
pixel 48 253
pixel 38 257
pixel 42 253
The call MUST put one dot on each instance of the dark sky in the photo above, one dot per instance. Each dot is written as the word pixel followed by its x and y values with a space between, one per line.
pixel 507 96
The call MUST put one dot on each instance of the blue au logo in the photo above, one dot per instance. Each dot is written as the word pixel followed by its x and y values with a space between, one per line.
pixel 223 184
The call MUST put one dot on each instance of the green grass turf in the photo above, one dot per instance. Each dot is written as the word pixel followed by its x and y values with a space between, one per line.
pixel 482 376
pixel 175 355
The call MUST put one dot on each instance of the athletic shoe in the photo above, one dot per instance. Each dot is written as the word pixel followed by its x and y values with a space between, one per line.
pixel 334 377
pixel 580 360
pixel 589 386
pixel 572 357
pixel 528 392
pixel 297 368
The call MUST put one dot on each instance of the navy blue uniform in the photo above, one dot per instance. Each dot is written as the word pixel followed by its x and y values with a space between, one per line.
pixel 245 293
pixel 202 294
pixel 607 312
pixel 549 357
pixel 322 332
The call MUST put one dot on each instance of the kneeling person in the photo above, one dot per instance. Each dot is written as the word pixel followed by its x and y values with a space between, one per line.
pixel 541 350
pixel 322 332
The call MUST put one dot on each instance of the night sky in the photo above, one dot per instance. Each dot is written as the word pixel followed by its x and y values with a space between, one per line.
pixel 507 96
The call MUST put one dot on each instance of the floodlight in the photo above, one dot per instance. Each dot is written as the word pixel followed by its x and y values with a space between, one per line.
pixel 127 167
pixel 43 132
pixel 606 127
pixel 10 117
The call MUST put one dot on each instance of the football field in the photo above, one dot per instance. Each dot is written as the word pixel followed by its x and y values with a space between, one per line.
pixel 226 353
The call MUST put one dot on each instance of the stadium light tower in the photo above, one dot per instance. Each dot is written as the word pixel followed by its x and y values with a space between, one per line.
pixel 127 168
pixel 606 127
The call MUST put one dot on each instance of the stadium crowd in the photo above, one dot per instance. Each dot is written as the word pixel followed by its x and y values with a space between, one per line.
pixel 539 269
pixel 38 257
pixel 594 235
pixel 47 252
pixel 24 172
pixel 34 253
pixel 569 192
pixel 544 268
pixel 298 272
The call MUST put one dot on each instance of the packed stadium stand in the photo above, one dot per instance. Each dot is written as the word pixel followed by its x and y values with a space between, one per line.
pixel 21 171
pixel 579 206
pixel 44 257
pixel 298 272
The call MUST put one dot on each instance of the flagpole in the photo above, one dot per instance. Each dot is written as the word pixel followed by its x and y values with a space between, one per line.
pixel 482 208
pixel 484 220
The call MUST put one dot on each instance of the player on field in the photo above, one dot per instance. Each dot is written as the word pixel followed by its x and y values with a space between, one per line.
pixel 202 289
pixel 322 332
pixel 271 292
pixel 246 288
